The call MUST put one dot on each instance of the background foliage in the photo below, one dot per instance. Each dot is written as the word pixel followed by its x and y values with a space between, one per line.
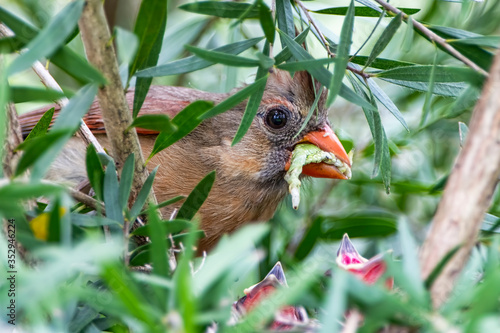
pixel 405 137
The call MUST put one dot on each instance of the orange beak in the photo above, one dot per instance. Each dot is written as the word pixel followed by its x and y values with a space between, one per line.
pixel 327 141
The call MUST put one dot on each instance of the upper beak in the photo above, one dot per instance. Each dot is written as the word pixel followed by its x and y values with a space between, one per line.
pixel 325 140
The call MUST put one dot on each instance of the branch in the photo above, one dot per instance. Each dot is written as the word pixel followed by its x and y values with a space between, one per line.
pixel 114 107
pixel 468 192
pixel 434 37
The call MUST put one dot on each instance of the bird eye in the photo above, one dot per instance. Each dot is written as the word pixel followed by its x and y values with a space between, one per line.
pixel 276 118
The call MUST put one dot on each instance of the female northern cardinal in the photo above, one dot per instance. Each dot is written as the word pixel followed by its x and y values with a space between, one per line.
pixel 249 176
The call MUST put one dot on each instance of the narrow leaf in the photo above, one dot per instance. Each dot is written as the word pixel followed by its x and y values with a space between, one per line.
pixel 196 198
pixel 50 38
pixel 408 42
pixel 41 126
pixel 342 57
pixel 380 62
pixel 194 63
pixel 110 194
pixel 158 253
pixel 251 108
pixel 155 122
pixel 361 11
pixel 185 121
pixel 486 41
pixel 235 99
pixel 225 9
pixel 143 195
pixel 37 147
pixel 284 16
pixel 222 58
pixel 266 22
pixel 30 94
pixel 305 64
pixel 321 74
pixel 384 38
pixel 126 179
pixel 95 171
pixel 285 53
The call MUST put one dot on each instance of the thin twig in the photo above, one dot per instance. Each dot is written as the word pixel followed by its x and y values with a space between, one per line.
pixel 434 37
pixel 87 200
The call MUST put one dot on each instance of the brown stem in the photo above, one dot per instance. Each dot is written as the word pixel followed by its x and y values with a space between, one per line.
pixel 87 200
pixel 434 37
pixel 468 192
pixel 114 107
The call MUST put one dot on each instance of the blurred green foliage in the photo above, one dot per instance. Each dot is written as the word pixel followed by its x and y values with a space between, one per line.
pixel 76 279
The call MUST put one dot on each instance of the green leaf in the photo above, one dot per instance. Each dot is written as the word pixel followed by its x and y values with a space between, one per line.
pixel 321 74
pixel 95 171
pixel 131 297
pixel 475 53
pixel 186 121
pixel 126 179
pixel 452 89
pixel 342 57
pixel 382 155
pixel 111 194
pixel 84 220
pixel 50 38
pixel 428 95
pixel 4 99
pixel 335 303
pixel 360 224
pixel 285 53
pixel 158 253
pixel 284 16
pixel 380 63
pixel 143 195
pixel 170 227
pixel 167 202
pixel 41 126
pixel 64 58
pixel 486 41
pixel 305 64
pixel 150 28
pixel 155 122
pixel 380 94
pixel 266 22
pixel 10 45
pixel 37 147
pixel 411 266
pixel 196 198
pixel 71 115
pixel 251 107
pixel 29 94
pixel 422 73
pixel 408 42
pixel 235 99
pixel 361 11
pixel 194 63
pixel 311 111
pixel 225 9
pixel 384 38
pixel 223 58
pixel 439 267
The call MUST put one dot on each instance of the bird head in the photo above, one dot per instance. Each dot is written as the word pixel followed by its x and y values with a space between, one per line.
pixel 265 151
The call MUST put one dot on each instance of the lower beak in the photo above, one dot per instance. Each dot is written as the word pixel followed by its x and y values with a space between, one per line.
pixel 327 141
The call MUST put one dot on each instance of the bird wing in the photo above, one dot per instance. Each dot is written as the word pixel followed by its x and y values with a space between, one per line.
pixel 160 100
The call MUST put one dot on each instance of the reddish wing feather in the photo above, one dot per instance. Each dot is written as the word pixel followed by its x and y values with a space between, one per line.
pixel 160 100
